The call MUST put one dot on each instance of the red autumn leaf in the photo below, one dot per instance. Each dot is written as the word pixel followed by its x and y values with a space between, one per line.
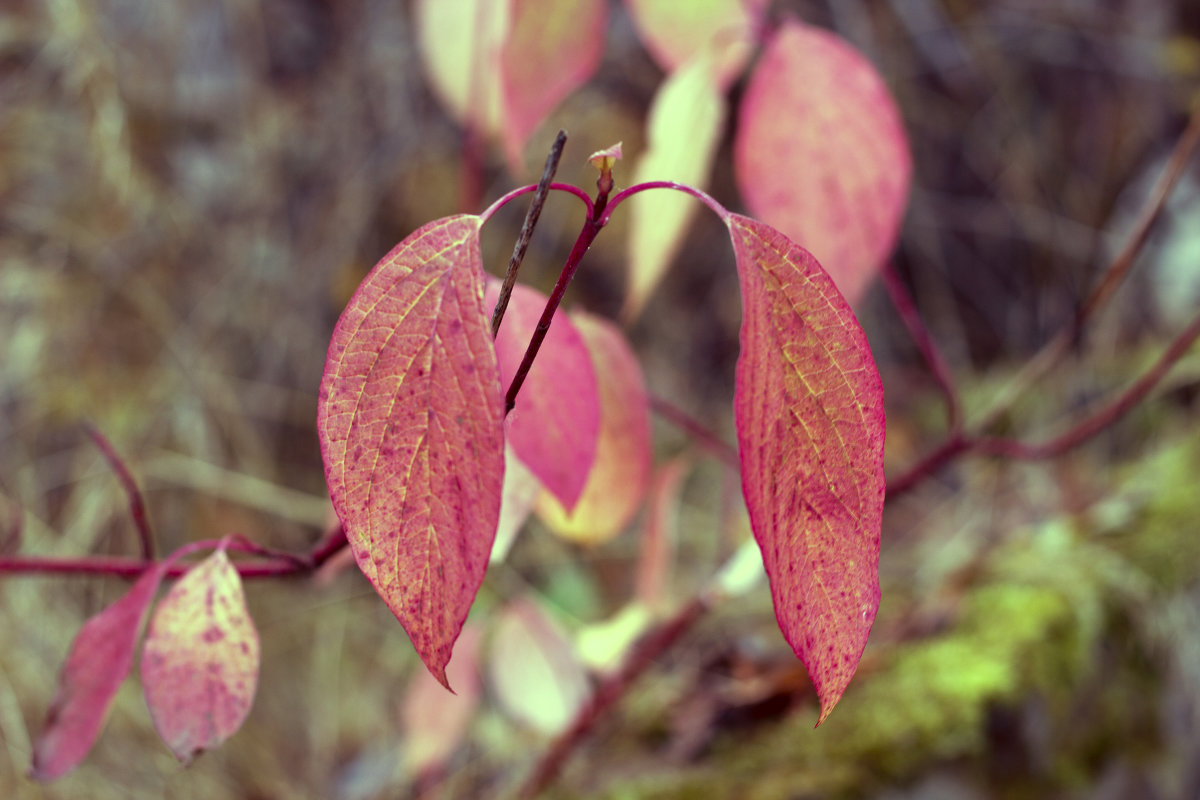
pixel 411 426
pixel 551 50
pixel 809 411
pixel 100 659
pixel 675 32
pixel 201 658
pixel 555 423
pixel 617 479
pixel 820 153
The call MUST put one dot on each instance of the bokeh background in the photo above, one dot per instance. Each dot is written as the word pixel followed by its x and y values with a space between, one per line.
pixel 189 192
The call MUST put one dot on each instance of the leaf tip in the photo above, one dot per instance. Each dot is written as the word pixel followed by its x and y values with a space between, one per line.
pixel 439 673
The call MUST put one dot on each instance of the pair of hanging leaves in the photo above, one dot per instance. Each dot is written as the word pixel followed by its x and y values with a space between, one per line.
pixel 199 666
pixel 412 428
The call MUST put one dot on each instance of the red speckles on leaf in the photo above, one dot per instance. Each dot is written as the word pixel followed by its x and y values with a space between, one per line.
pixel 411 431
pixel 100 659
pixel 201 658
pixel 809 412
pixel 554 426
pixel 821 154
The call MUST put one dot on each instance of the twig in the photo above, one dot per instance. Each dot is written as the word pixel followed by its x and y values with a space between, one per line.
pixel 907 309
pixel 277 566
pixel 954 445
pixel 1116 271
pixel 531 219
pixel 958 442
pixel 694 428
pixel 588 233
pixel 137 506
pixel 1117 408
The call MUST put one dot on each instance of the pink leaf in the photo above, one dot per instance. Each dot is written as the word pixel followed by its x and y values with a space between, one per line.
pixel 553 47
pixel 556 420
pixel 201 658
pixel 809 411
pixel 821 154
pixel 617 480
pixel 435 721
pixel 100 659
pixel 684 129
pixel 675 32
pixel 411 426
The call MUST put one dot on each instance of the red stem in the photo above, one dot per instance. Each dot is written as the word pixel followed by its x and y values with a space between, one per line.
pixel 1108 415
pixel 700 195
pixel 907 309
pixel 277 564
pixel 588 233
pixel 137 506
pixel 694 428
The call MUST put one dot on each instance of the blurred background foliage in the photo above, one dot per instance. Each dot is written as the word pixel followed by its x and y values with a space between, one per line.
pixel 189 192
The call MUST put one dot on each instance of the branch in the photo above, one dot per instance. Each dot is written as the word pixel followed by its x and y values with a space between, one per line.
pixel 276 564
pixel 958 442
pixel 1117 408
pixel 587 234
pixel 531 219
pixel 1118 268
pixel 718 447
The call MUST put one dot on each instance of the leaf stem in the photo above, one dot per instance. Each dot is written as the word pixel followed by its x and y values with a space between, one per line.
pixel 699 194
pixel 515 193
pixel 531 219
